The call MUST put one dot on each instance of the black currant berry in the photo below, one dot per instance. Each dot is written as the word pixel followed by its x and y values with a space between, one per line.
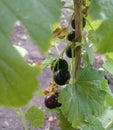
pixel 69 52
pixel 83 23
pixel 73 23
pixel 71 36
pixel 61 64
pixel 61 77
pixel 52 101
pixel 107 77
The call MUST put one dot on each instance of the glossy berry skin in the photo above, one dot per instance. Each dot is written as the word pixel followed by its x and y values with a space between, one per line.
pixel 52 101
pixel 107 77
pixel 61 77
pixel 61 64
pixel 71 36
pixel 69 52
pixel 83 23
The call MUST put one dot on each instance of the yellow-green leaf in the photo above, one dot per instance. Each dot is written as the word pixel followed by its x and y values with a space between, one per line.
pixel 17 79
pixel 35 116
pixel 102 9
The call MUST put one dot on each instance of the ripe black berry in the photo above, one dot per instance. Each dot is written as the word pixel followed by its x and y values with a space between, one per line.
pixel 107 77
pixel 61 77
pixel 69 52
pixel 61 64
pixel 52 101
pixel 83 23
pixel 71 36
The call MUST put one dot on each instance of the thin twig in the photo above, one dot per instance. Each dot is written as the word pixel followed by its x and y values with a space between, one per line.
pixel 21 115
pixel 108 125
pixel 78 34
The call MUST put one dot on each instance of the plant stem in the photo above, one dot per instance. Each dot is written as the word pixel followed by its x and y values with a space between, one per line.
pixel 78 34
pixel 21 114
pixel 90 24
pixel 70 20
pixel 57 49
pixel 108 125
pixel 68 7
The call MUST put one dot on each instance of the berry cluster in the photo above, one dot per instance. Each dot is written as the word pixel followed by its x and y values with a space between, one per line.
pixel 71 37
pixel 83 23
pixel 61 75
pixel 60 70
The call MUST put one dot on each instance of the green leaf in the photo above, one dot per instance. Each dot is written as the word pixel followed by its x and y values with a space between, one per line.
pixel 93 38
pixel 35 116
pixel 88 57
pixel 102 9
pixel 107 117
pixel 109 55
pixel 109 94
pixel 90 74
pixel 108 65
pixel 47 62
pixel 104 38
pixel 109 99
pixel 17 79
pixel 93 124
pixel 36 15
pixel 85 97
pixel 64 124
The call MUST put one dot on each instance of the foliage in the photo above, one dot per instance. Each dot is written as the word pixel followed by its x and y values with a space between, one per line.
pixel 94 124
pixel 14 72
pixel 109 65
pixel 64 124
pixel 15 91
pixel 35 116
pixel 85 97
pixel 86 100
pixel 102 10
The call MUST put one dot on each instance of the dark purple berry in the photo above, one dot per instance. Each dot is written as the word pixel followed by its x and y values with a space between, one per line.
pixel 73 24
pixel 61 77
pixel 83 23
pixel 52 101
pixel 61 64
pixel 107 77
pixel 70 52
pixel 71 36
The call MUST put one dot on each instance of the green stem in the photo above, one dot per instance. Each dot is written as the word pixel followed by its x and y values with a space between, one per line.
pixel 90 24
pixel 21 115
pixel 73 63
pixel 70 20
pixel 109 125
pixel 62 53
pixel 68 7
pixel 57 49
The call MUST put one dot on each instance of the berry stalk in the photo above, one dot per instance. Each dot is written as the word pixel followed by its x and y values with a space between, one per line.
pixel 78 34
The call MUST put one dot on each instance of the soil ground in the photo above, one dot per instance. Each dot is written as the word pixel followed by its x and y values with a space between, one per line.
pixel 8 119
